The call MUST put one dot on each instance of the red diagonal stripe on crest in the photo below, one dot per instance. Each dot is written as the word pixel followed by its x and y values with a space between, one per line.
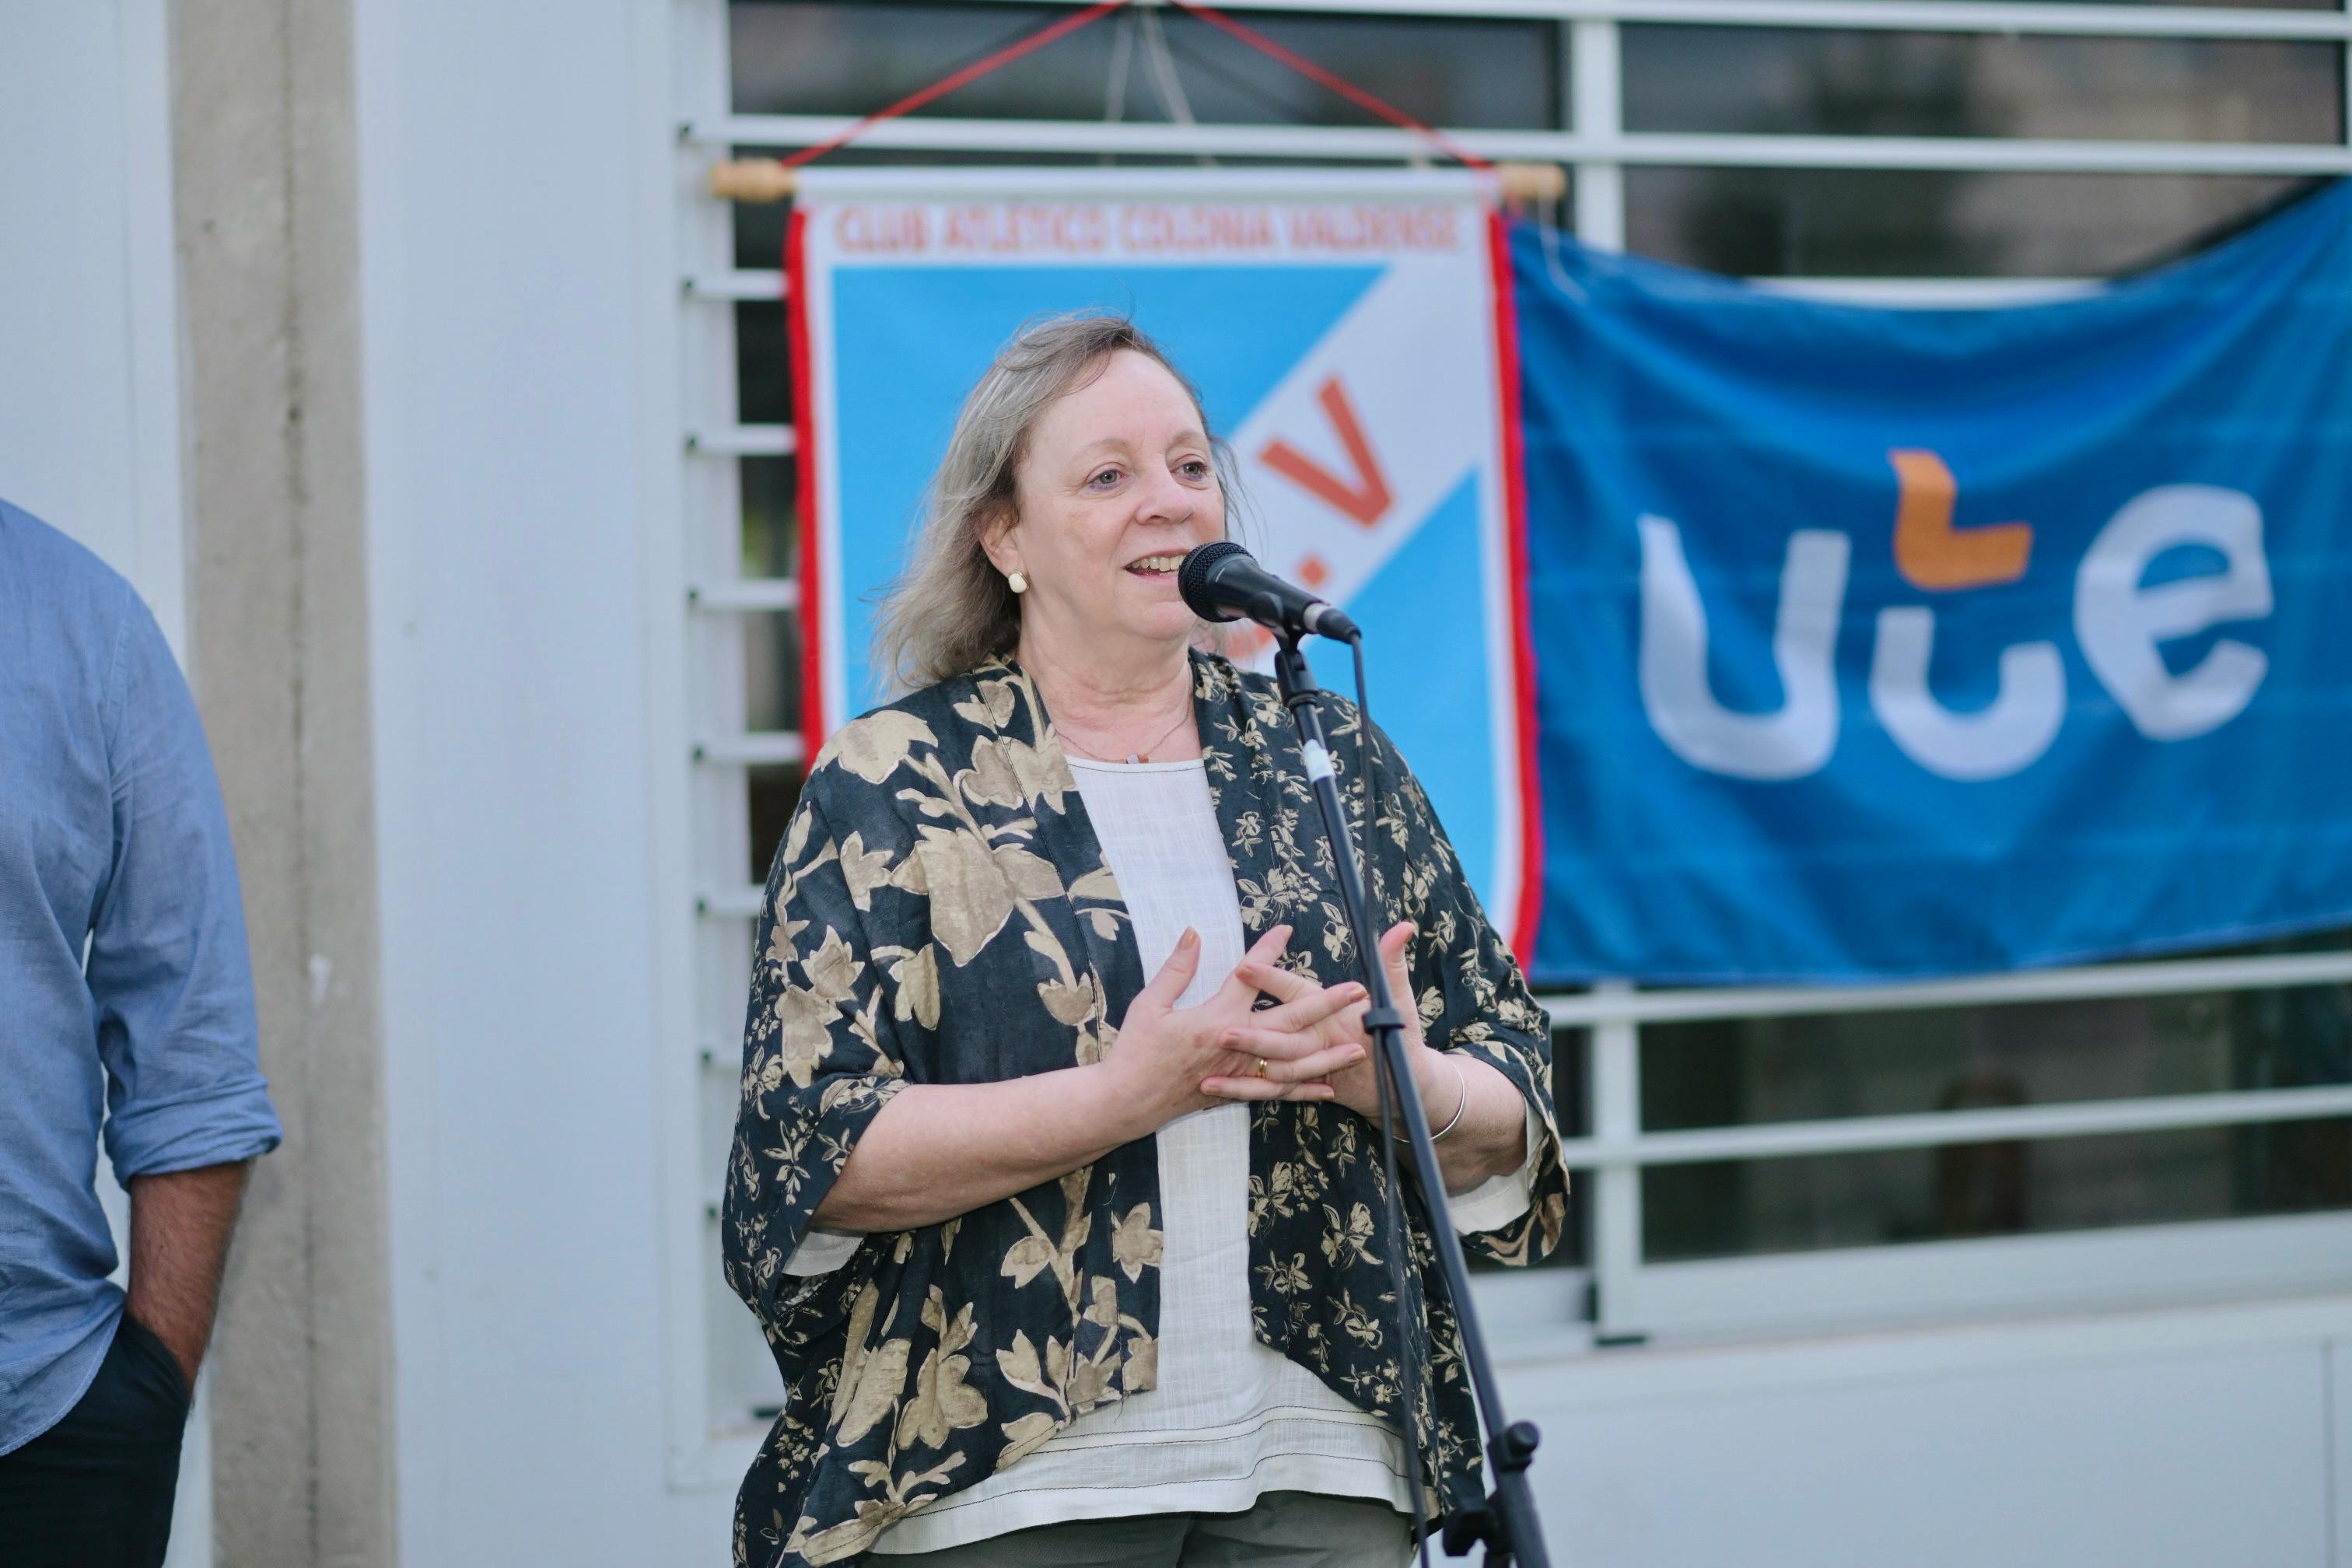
pixel 1365 496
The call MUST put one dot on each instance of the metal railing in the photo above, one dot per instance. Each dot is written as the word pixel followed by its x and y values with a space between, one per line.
pixel 1616 1007
pixel 2038 18
pixel 1978 154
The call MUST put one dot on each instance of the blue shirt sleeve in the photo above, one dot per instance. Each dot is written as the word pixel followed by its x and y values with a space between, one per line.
pixel 169 975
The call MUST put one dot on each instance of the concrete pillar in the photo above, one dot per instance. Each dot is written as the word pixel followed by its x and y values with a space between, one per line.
pixel 264 176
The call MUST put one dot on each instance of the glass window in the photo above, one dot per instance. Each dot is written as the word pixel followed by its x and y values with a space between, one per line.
pixel 772 517
pixel 1752 1071
pixel 1841 223
pixel 850 58
pixel 1731 1208
pixel 774 793
pixel 1806 81
pixel 763 360
pixel 1571 1076
pixel 772 665
pixel 771 646
pixel 1759 1071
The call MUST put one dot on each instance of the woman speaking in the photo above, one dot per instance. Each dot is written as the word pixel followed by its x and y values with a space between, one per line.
pixel 1056 1184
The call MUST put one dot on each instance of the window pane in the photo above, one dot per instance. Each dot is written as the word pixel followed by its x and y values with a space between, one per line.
pixel 771 669
pixel 773 794
pixel 763 363
pixel 1810 82
pixel 1747 1072
pixel 846 59
pixel 1571 1074
pixel 1571 1078
pixel 1744 1207
pixel 1752 1071
pixel 1842 223
pixel 772 647
pixel 1760 1070
pixel 771 519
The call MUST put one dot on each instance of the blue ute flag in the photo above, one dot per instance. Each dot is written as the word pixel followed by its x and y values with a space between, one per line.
pixel 1881 643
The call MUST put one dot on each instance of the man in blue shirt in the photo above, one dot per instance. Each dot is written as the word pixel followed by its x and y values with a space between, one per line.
pixel 126 995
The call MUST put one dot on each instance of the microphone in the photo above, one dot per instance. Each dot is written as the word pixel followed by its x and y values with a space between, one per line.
pixel 1222 582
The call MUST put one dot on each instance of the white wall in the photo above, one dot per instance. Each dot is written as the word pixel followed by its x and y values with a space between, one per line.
pixel 2174 1439
pixel 89 416
pixel 515 245
pixel 88 397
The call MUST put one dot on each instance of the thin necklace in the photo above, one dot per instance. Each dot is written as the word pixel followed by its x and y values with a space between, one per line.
pixel 1143 756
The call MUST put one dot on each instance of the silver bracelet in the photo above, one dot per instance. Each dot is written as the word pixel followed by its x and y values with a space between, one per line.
pixel 1461 1105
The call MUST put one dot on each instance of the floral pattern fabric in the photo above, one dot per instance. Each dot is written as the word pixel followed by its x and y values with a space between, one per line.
pixel 939 912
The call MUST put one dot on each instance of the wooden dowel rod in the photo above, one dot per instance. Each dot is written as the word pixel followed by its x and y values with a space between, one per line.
pixel 753 180
pixel 1532 183
pixel 764 180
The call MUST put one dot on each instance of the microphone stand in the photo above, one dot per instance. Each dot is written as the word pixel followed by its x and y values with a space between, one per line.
pixel 1507 1525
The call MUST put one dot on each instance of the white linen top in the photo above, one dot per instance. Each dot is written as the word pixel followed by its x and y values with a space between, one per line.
pixel 1231 1419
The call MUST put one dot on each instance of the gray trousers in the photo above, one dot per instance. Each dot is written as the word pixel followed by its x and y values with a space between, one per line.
pixel 1285 1530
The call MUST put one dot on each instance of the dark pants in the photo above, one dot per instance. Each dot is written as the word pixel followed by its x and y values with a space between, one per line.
pixel 95 1489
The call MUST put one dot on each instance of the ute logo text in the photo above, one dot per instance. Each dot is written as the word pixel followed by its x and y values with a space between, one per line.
pixel 2120 623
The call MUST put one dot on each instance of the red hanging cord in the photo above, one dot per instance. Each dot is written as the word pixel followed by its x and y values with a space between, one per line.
pixel 971 73
pixel 1360 97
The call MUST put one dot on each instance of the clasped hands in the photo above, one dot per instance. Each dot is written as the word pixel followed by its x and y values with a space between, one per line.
pixel 1313 1043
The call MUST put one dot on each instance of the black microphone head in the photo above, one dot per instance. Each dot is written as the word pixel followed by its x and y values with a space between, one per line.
pixel 1193 579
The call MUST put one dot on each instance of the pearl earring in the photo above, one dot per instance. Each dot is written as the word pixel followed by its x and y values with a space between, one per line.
pixel 1018 582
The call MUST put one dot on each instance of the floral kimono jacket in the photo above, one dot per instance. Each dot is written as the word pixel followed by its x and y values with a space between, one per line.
pixel 940 913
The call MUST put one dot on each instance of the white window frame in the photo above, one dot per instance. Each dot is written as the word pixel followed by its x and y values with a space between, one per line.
pixel 2130 1266
pixel 701 603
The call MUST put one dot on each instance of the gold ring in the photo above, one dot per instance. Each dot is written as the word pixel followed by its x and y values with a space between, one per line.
pixel 1261 1067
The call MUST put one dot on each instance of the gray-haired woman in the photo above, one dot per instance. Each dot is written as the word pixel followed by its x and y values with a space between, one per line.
pixel 1061 1264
